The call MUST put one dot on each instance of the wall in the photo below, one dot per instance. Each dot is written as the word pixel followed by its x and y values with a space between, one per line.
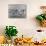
pixel 25 26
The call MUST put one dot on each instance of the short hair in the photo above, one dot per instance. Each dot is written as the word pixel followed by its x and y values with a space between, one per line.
pixel 42 7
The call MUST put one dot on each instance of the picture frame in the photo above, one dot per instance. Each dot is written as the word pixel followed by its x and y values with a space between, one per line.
pixel 17 10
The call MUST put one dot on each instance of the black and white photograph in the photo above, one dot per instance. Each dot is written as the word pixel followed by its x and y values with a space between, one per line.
pixel 17 10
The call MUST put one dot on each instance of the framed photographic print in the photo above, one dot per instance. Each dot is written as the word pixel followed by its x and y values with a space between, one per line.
pixel 17 10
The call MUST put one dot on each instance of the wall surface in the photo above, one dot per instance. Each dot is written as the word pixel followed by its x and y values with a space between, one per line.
pixel 26 26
